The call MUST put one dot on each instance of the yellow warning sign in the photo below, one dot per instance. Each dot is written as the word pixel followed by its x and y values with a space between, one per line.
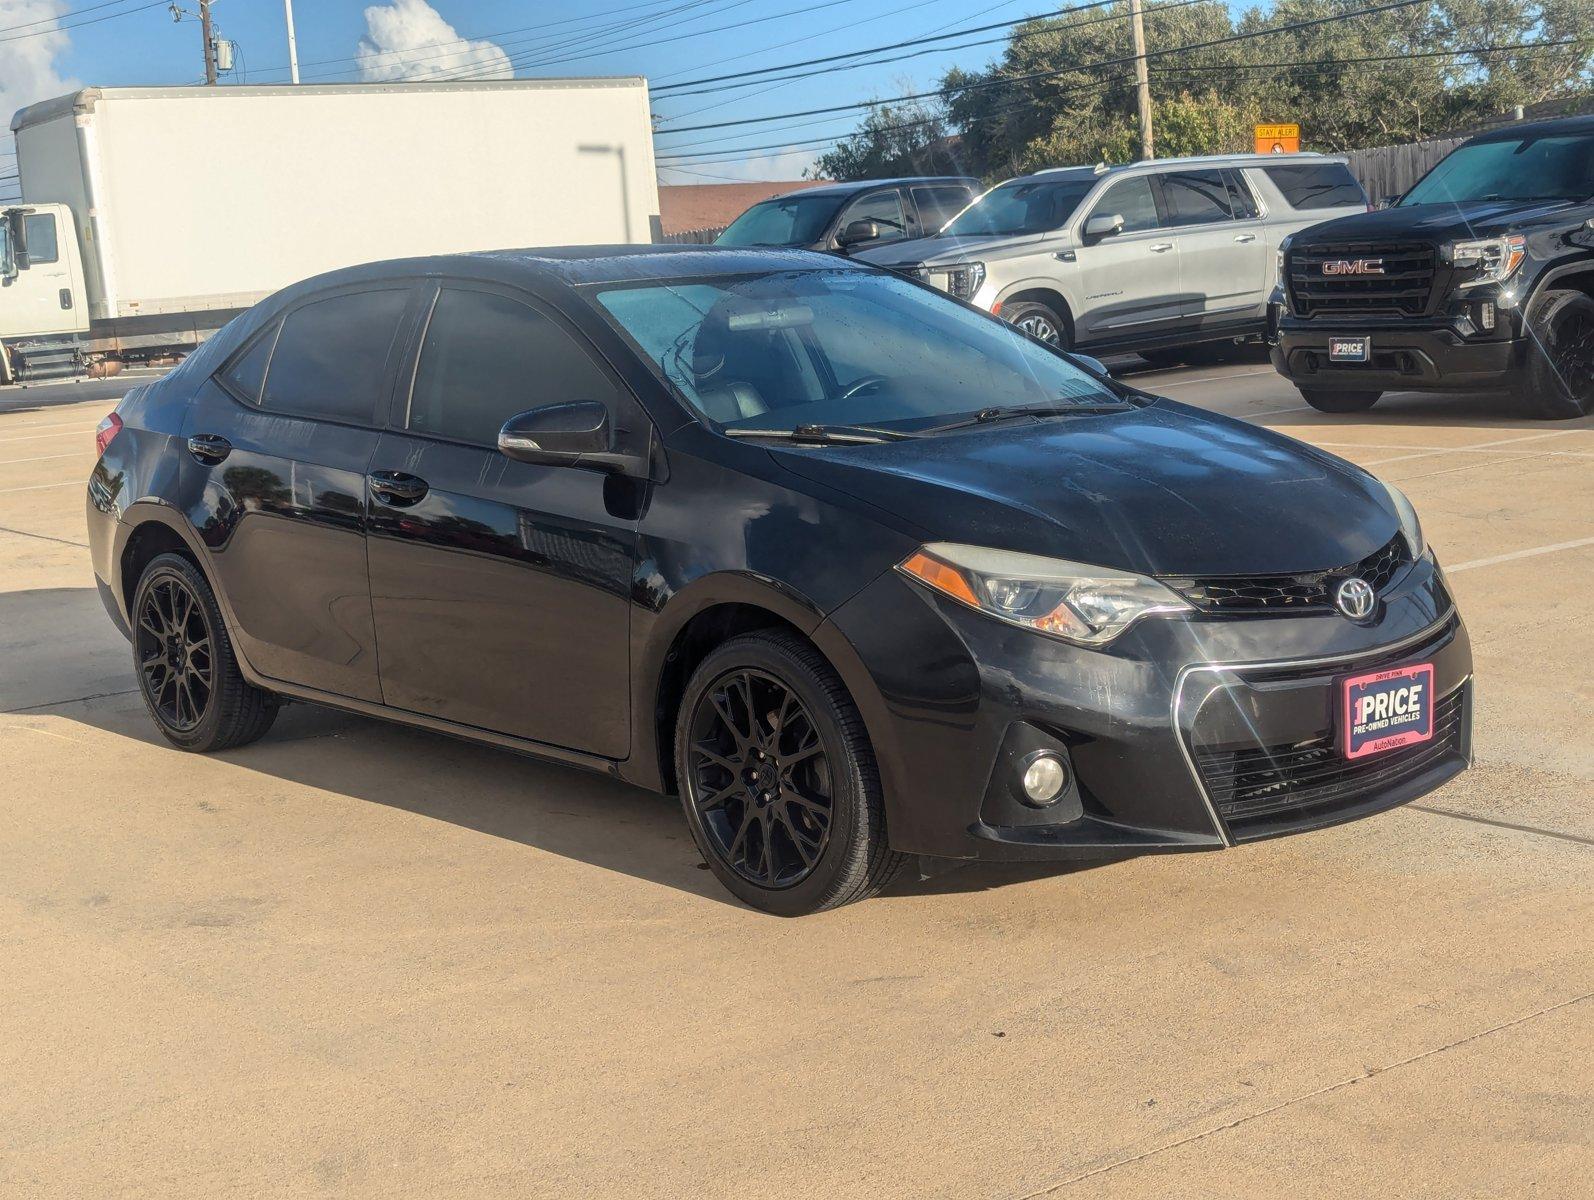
pixel 1278 139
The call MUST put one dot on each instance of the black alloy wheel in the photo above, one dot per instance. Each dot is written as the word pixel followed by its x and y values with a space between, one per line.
pixel 176 656
pixel 1558 379
pixel 777 778
pixel 760 776
pixel 187 672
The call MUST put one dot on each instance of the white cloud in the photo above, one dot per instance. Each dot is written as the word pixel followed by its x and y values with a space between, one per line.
pixel 780 166
pixel 27 64
pixel 408 39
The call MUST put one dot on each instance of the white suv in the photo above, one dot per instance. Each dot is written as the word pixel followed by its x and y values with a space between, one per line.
pixel 1143 257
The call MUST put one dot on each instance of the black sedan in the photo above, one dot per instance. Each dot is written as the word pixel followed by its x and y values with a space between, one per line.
pixel 860 573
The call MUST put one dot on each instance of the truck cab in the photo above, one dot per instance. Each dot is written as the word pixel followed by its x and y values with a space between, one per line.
pixel 43 304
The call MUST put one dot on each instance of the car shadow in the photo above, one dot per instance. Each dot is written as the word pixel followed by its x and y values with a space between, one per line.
pixel 1417 410
pixel 558 809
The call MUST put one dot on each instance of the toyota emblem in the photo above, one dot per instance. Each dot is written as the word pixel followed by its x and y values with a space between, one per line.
pixel 1355 598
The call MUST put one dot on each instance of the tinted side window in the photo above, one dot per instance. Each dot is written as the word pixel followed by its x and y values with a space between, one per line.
pixel 1130 199
pixel 1241 201
pixel 938 205
pixel 884 208
pixel 42 246
pixel 1196 197
pixel 331 356
pixel 1318 185
pixel 247 372
pixel 487 357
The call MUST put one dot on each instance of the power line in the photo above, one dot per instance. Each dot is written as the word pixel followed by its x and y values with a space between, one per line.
pixel 1009 80
pixel 79 24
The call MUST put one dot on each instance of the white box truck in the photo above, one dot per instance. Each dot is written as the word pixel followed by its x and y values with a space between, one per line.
pixel 151 215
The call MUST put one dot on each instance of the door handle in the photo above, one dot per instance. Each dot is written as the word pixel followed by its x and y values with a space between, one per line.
pixel 1245 237
pixel 209 448
pixel 1161 247
pixel 66 298
pixel 397 488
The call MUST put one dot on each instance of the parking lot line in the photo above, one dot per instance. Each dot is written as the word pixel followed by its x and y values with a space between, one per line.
pixel 1531 552
pixel 44 437
pixel 39 487
pixel 1510 441
pixel 41 424
pixel 11 462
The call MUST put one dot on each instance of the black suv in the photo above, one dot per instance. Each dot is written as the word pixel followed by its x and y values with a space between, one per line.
pixel 1480 278
pixel 848 217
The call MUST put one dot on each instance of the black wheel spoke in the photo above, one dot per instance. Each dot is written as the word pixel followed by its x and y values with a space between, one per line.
pixel 174 653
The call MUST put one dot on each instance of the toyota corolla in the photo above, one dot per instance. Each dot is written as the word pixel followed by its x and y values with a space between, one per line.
pixel 858 572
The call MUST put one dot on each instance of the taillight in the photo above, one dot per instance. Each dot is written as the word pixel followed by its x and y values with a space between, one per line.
pixel 107 431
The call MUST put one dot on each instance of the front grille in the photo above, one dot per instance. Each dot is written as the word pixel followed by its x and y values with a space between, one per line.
pixel 1403 289
pixel 1270 784
pixel 1275 593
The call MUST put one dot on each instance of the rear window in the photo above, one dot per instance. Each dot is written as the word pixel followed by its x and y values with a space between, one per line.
pixel 1318 185
pixel 331 356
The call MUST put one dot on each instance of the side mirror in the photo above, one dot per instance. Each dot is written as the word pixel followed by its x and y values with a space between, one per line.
pixel 1104 225
pixel 1094 365
pixel 15 236
pixel 575 434
pixel 1389 202
pixel 857 232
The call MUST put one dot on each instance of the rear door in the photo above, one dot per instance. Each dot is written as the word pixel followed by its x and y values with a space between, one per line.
pixel 1222 246
pixel 278 441
pixel 501 590
pixel 1129 280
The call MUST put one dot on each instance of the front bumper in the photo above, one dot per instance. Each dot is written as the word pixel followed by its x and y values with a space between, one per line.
pixel 1431 358
pixel 1188 734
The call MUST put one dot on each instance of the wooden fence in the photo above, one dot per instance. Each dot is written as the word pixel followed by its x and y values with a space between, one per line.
pixel 693 236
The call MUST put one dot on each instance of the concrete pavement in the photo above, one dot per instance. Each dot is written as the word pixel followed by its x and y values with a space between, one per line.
pixel 358 960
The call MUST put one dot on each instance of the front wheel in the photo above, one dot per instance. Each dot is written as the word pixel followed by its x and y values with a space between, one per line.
pixel 1040 321
pixel 187 674
pixel 778 781
pixel 1339 402
pixel 1558 379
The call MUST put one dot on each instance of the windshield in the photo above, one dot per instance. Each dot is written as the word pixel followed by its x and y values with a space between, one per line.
pixel 788 221
pixel 1539 168
pixel 1023 206
pixel 786 348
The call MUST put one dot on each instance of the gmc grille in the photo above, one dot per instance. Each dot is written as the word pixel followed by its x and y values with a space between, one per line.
pixel 1403 289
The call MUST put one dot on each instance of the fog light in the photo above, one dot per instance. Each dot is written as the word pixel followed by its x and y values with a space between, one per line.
pixel 1044 779
pixel 1486 315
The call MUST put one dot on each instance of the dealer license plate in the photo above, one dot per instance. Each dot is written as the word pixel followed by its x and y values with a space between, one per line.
pixel 1349 349
pixel 1385 710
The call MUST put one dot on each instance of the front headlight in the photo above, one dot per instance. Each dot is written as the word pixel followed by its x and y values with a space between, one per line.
pixel 1494 258
pixel 964 279
pixel 1410 526
pixel 1088 606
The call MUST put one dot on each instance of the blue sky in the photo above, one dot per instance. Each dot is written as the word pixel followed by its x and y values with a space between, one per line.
pixel 137 42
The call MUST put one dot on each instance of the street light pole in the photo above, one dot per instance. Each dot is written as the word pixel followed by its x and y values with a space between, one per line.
pixel 293 44
pixel 210 43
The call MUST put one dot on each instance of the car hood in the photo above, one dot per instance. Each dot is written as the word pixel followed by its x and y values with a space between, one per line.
pixel 944 251
pixel 1438 222
pixel 1162 490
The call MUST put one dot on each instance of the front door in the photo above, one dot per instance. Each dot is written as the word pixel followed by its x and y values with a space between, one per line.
pixel 501 590
pixel 277 444
pixel 1222 246
pixel 1129 280
pixel 47 298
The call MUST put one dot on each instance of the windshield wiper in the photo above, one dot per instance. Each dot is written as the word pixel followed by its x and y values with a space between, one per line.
pixel 1008 412
pixel 826 435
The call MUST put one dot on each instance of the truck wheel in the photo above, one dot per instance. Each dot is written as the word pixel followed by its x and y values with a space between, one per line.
pixel 1040 321
pixel 1557 381
pixel 1339 402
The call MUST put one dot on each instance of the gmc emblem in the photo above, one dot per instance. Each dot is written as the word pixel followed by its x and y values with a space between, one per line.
pixel 1354 266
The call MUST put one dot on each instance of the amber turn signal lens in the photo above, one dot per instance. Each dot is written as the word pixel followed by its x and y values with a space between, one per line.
pixel 941 577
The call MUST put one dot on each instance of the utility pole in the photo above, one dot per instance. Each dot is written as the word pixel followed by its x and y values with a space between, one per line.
pixel 293 44
pixel 1142 79
pixel 210 44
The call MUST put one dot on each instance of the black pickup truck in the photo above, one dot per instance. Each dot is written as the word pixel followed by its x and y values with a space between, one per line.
pixel 1480 278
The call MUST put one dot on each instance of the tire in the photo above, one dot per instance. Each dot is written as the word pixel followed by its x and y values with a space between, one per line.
pixel 198 698
pixel 1339 402
pixel 1041 322
pixel 787 827
pixel 1557 382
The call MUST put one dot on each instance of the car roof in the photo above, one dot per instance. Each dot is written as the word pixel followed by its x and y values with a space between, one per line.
pixel 1529 129
pixel 574 266
pixel 1163 164
pixel 863 185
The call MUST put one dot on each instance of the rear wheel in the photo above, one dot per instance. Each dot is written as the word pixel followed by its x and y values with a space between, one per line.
pixel 1040 321
pixel 187 673
pixel 1339 402
pixel 778 781
pixel 1558 379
